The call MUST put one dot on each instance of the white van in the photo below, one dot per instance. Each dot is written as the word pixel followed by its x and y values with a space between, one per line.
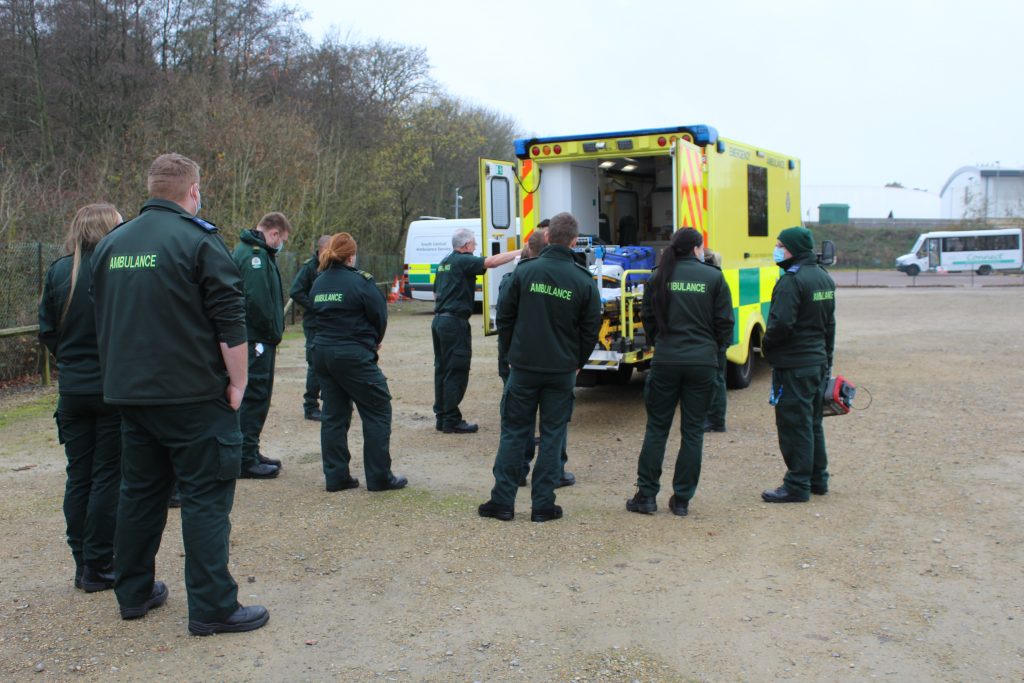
pixel 429 241
pixel 979 250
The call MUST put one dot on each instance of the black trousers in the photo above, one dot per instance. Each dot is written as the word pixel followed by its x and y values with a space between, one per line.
pixel 311 399
pixel 349 374
pixel 256 401
pixel 200 445
pixel 91 433
pixel 528 394
pixel 453 353
pixel 798 418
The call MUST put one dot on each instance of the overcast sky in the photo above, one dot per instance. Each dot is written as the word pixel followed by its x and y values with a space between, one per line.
pixel 864 93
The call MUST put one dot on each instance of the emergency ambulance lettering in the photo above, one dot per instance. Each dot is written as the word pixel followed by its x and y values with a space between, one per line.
pixel 557 292
pixel 694 287
pixel 824 295
pixel 329 297
pixel 132 262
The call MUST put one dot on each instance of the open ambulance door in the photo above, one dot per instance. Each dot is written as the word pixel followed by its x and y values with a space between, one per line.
pixel 688 188
pixel 498 228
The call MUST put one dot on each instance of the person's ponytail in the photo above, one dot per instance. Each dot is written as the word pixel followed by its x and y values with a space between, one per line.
pixel 683 243
pixel 339 249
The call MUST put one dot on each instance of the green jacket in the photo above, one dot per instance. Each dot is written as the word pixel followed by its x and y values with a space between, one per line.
pixel 503 367
pixel 349 308
pixel 802 322
pixel 699 317
pixel 71 336
pixel 299 293
pixel 261 283
pixel 166 294
pixel 455 283
pixel 549 316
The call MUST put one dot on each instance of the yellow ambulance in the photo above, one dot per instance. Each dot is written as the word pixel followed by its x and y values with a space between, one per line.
pixel 638 187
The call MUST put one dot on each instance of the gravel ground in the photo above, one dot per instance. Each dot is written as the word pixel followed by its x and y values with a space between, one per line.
pixel 909 570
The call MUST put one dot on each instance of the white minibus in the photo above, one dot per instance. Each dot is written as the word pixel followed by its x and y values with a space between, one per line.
pixel 979 250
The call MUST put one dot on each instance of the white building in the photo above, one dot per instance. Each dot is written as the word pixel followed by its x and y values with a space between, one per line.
pixel 870 202
pixel 984 192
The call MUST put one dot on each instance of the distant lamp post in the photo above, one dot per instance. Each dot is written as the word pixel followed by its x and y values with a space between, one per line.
pixel 458 201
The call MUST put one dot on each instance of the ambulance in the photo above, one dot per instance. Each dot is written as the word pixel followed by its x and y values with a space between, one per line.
pixel 638 187
pixel 427 242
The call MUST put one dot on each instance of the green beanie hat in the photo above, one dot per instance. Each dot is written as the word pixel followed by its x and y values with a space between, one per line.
pixel 797 240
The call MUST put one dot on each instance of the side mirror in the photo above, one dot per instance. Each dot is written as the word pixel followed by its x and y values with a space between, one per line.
pixel 827 257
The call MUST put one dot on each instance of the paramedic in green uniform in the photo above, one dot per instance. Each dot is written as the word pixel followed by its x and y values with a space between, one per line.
pixel 351 318
pixel 715 420
pixel 687 312
pixel 799 344
pixel 300 294
pixel 454 291
pixel 256 258
pixel 548 320
pixel 534 245
pixel 170 326
pixel 89 428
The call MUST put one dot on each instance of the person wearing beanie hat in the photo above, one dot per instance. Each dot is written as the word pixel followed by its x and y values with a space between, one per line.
pixel 799 344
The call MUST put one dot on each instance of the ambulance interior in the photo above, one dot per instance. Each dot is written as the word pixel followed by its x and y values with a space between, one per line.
pixel 623 201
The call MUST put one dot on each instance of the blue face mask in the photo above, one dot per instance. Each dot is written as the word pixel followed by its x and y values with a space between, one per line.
pixel 779 255
pixel 700 256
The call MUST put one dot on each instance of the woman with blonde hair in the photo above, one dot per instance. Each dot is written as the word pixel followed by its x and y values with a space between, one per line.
pixel 89 428
pixel 351 317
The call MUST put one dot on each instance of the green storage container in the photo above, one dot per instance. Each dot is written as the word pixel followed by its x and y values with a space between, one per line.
pixel 833 214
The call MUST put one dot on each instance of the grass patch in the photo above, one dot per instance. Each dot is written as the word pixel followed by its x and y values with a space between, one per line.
pixel 423 500
pixel 43 406
pixel 308 458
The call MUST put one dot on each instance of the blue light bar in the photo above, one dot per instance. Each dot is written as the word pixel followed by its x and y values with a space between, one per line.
pixel 702 135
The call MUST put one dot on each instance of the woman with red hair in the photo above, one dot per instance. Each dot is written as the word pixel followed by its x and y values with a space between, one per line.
pixel 351 317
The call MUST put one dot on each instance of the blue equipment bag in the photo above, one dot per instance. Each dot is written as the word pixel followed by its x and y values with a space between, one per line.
pixel 632 258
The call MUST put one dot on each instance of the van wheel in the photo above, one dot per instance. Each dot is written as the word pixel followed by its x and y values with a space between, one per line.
pixel 985 270
pixel 913 270
pixel 739 376
pixel 619 377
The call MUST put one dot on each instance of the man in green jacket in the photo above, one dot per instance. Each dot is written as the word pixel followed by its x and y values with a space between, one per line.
pixel 454 293
pixel 534 246
pixel 301 285
pixel 256 258
pixel 799 344
pixel 548 320
pixel 170 328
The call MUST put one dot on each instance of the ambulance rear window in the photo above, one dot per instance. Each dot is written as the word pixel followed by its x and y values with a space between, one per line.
pixel 500 190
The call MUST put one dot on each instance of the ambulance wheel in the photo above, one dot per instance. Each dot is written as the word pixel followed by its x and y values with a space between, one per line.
pixel 985 270
pixel 739 376
pixel 913 270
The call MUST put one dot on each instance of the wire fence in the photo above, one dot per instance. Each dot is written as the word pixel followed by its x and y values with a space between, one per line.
pixel 23 267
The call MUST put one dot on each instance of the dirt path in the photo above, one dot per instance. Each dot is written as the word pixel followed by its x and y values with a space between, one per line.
pixel 909 570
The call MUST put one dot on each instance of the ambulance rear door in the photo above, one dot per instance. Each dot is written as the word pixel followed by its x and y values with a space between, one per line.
pixel 688 172
pixel 498 228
